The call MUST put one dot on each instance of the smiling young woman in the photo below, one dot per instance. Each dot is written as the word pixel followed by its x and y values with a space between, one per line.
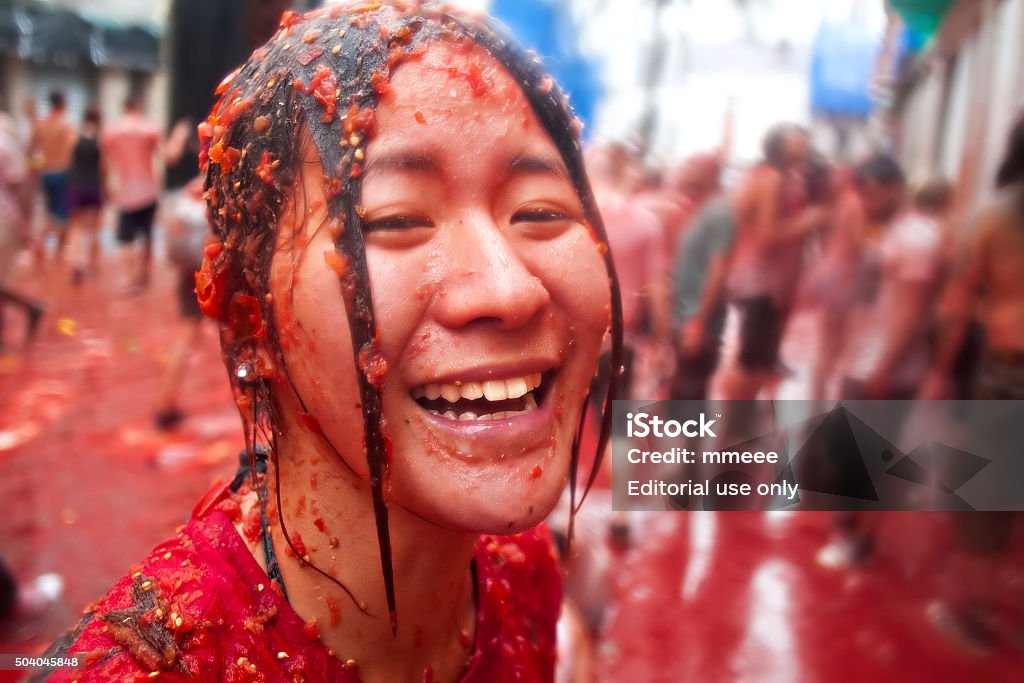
pixel 413 290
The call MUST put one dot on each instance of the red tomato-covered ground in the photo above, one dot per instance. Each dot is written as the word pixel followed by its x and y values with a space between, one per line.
pixel 87 484
pixel 736 596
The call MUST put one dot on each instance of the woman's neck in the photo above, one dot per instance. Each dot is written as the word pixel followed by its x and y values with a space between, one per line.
pixel 329 517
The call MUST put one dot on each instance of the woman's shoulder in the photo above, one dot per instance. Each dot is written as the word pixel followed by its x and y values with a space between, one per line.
pixel 154 617
pixel 197 608
pixel 138 626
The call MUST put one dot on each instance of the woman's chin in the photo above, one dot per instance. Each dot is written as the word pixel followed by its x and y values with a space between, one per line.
pixel 503 504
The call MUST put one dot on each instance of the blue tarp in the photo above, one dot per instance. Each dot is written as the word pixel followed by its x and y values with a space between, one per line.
pixel 842 68
pixel 544 26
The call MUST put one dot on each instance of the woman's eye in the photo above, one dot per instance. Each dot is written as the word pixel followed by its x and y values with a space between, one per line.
pixel 398 222
pixel 540 216
pixel 544 223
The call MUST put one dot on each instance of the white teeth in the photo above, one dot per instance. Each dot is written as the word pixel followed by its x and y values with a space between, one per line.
pixel 495 390
pixel 450 414
pixel 492 390
pixel 450 393
pixel 514 388
pixel 468 415
pixel 531 403
pixel 472 391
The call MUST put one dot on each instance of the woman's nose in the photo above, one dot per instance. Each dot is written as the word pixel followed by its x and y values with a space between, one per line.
pixel 488 280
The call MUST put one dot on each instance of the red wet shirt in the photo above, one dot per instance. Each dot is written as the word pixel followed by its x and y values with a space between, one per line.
pixel 200 608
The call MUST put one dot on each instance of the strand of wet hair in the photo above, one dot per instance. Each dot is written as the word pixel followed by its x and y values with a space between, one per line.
pixel 291 544
pixel 260 486
pixel 272 440
pixel 354 283
pixel 362 325
pixel 264 411
pixel 283 94
pixel 251 426
pixel 272 329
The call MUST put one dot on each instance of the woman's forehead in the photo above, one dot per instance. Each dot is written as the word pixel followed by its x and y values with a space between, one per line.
pixel 443 71
pixel 459 108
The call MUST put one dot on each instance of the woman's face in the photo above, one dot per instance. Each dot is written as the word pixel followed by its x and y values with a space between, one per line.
pixel 490 296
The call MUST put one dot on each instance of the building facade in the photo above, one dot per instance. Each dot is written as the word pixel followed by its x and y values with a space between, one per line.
pixel 95 52
pixel 955 105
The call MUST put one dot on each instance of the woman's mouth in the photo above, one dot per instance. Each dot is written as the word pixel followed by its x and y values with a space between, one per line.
pixel 496 399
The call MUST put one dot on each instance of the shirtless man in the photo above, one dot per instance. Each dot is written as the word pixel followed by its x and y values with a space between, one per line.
pixel 53 141
pixel 991 289
pixel 130 148
pixel 772 220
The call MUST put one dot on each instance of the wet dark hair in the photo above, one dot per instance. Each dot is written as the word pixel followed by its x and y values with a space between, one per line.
pixel 934 195
pixel 318 79
pixel 57 100
pixel 92 115
pixel 1011 170
pixel 882 169
pixel 774 144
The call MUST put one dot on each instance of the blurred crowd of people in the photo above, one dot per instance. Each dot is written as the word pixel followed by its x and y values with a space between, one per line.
pixel 58 179
pixel 808 279
pixel 906 303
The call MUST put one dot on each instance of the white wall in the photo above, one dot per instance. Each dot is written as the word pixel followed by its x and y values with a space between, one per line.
pixel 1007 92
pixel 17 84
pixel 76 85
pixel 985 95
pixel 920 141
pixel 958 106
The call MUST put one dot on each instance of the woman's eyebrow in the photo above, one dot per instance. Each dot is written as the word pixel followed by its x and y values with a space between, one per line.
pixel 401 161
pixel 527 164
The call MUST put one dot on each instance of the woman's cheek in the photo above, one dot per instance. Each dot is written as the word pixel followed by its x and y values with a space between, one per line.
pixel 316 342
pixel 582 283
pixel 400 294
